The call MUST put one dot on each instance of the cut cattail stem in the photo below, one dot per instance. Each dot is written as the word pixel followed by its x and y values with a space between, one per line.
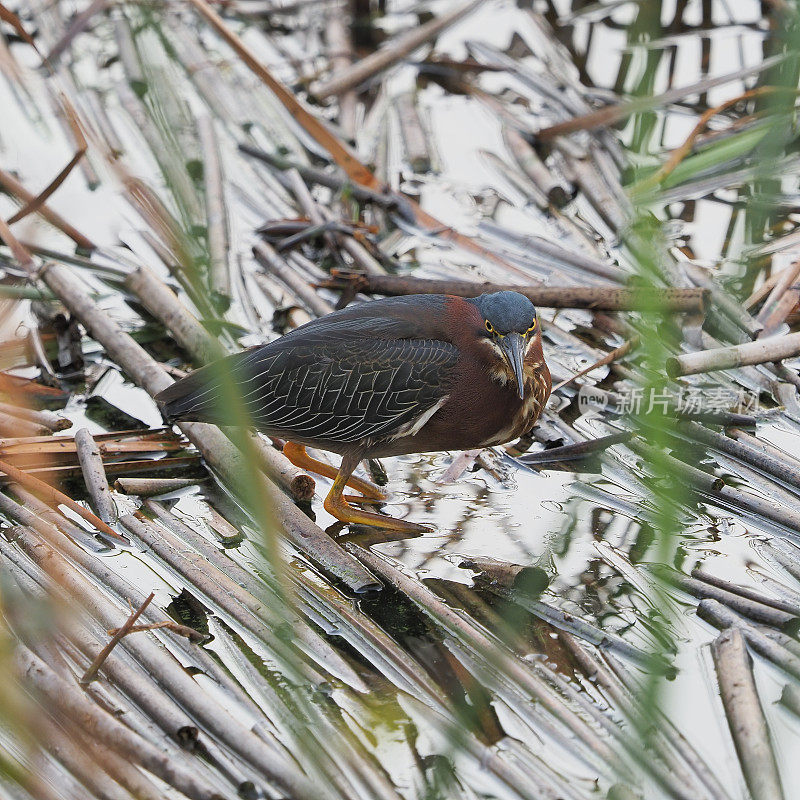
pixel 763 351
pixel 94 476
pixel 152 487
pixel 602 298
pixel 46 418
pixel 745 716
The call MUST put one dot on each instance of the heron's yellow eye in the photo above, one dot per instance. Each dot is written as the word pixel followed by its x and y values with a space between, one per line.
pixel 532 327
pixel 489 326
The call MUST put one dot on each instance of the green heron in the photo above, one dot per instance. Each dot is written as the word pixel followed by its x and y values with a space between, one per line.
pixel 382 378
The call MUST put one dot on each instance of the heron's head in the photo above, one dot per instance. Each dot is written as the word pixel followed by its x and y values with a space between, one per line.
pixel 510 324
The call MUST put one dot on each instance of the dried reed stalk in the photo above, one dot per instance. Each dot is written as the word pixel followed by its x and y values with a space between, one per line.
pixel 746 719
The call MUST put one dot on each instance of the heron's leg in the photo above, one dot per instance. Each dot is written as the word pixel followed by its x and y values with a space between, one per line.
pixel 336 504
pixel 296 453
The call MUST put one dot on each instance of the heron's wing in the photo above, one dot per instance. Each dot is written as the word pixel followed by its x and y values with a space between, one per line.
pixel 369 390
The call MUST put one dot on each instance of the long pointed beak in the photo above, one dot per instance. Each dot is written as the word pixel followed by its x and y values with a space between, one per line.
pixel 513 347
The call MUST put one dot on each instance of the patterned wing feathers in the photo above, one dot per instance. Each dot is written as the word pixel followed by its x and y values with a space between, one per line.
pixel 367 391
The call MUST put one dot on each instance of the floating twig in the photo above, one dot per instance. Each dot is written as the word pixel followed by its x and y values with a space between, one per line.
pixel 13 186
pixel 152 487
pixel 763 351
pixel 46 419
pixel 745 716
pixel 94 476
pixel 216 214
pixel 94 667
pixel 594 297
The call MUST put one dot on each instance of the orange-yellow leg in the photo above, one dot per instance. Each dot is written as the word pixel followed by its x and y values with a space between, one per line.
pixel 296 453
pixel 337 505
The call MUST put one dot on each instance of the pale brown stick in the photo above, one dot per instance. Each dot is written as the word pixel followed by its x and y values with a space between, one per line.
pixel 48 419
pixel 340 55
pixel 181 630
pixel 13 186
pixel 11 425
pixel 594 297
pixel 782 299
pixel 150 487
pixel 94 476
pixel 745 716
pixel 94 667
pixel 769 284
pixel 78 24
pixel 618 352
pixel 216 214
pixel 681 152
pixel 616 113
pixel 762 351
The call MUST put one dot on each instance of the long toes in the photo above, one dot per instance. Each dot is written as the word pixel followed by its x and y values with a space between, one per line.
pixel 361 500
pixel 369 490
pixel 355 516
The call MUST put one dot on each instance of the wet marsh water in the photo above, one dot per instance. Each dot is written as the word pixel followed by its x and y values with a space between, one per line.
pixel 591 532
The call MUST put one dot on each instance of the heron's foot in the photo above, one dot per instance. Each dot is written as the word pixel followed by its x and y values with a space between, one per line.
pixel 360 500
pixel 336 505
pixel 296 453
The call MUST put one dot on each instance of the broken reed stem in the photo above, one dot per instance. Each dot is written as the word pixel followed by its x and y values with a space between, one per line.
pixel 334 180
pixel 94 667
pixel 615 354
pixel 94 476
pixel 748 607
pixel 275 265
pixel 14 426
pixel 340 56
pixel 722 617
pixel 56 498
pixel 14 187
pixel 762 351
pixel 216 214
pixel 152 487
pixel 46 419
pixel 547 184
pixel 592 297
pixel 179 630
pixel 168 309
pixel 81 759
pixel 751 594
pixel 746 720
pixel 392 52
pixel 782 299
pixel 748 449
pixel 616 113
pixel 572 452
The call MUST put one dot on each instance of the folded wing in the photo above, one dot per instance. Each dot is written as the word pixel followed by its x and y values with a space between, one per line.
pixel 317 391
